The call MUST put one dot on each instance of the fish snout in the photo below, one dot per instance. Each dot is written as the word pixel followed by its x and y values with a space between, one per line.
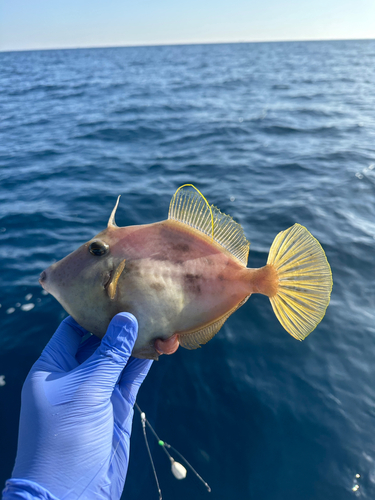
pixel 43 278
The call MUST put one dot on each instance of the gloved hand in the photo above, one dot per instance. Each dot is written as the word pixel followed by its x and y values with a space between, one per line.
pixel 76 415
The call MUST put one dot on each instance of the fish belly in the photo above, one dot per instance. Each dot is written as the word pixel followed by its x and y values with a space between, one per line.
pixel 189 285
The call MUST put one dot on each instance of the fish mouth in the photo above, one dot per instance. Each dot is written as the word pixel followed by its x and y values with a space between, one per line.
pixel 42 279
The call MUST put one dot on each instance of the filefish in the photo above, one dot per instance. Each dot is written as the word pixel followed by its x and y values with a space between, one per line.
pixel 183 277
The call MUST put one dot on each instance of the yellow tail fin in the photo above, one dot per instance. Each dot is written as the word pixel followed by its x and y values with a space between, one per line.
pixel 304 281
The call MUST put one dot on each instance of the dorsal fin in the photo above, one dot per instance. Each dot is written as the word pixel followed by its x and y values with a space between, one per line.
pixel 190 207
pixel 111 221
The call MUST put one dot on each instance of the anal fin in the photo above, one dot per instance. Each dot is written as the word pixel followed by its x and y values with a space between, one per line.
pixel 195 338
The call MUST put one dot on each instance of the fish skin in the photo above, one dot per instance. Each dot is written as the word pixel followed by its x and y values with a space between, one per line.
pixel 176 279
pixel 182 278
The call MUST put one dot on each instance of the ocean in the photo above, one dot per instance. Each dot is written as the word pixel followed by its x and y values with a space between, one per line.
pixel 272 134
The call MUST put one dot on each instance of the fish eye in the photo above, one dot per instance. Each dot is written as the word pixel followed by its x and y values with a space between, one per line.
pixel 98 248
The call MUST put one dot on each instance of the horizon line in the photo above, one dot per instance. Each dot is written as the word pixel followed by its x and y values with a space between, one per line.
pixel 175 44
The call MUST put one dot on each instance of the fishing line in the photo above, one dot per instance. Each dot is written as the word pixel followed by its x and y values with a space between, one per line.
pixel 143 420
pixel 178 470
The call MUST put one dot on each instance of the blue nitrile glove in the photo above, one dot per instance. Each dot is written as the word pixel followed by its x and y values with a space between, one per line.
pixel 76 415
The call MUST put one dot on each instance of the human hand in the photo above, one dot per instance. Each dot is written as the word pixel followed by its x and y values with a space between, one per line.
pixel 76 413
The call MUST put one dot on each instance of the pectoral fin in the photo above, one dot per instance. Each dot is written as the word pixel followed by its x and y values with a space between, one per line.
pixel 111 289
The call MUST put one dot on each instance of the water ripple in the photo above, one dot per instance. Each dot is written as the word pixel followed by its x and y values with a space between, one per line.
pixel 273 134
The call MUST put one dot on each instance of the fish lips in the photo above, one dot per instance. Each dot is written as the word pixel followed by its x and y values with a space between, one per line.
pixel 43 279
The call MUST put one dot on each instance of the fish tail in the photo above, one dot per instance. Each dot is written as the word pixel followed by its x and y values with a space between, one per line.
pixel 297 280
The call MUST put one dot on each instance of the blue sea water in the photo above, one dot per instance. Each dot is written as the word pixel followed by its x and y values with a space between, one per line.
pixel 271 133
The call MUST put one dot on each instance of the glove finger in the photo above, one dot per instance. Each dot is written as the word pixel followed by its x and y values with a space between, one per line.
pixel 87 349
pixel 102 370
pixel 122 411
pixel 132 377
pixel 59 354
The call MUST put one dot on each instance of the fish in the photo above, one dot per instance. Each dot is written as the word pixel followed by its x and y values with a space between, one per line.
pixel 183 277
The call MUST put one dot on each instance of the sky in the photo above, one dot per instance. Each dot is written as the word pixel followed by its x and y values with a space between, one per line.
pixel 49 24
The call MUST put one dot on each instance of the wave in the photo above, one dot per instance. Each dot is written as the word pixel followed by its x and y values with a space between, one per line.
pixel 270 134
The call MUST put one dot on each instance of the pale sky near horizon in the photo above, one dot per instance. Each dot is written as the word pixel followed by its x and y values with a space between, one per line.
pixel 48 24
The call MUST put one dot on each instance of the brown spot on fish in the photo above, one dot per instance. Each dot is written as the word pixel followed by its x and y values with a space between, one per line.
pixel 132 268
pixel 193 277
pixel 157 286
pixel 181 247
pixel 221 277
pixel 193 282
pixel 160 256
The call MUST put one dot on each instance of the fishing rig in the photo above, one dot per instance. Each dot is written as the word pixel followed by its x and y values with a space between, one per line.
pixel 178 470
